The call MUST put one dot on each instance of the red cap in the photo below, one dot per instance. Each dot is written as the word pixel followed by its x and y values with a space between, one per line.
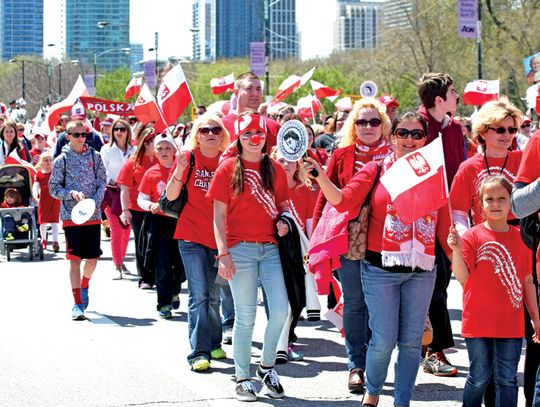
pixel 388 100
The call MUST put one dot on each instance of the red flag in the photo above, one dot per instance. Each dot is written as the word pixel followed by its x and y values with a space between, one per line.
pixel 14 159
pixel 222 85
pixel 321 91
pixel 308 106
pixel 289 85
pixel 173 95
pixel 133 88
pixel 55 111
pixel 479 92
pixel 417 182
pixel 147 110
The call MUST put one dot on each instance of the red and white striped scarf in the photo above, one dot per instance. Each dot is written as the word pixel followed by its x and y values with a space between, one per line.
pixel 410 245
pixel 364 154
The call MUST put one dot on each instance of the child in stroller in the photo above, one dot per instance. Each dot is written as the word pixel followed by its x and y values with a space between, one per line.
pixel 13 199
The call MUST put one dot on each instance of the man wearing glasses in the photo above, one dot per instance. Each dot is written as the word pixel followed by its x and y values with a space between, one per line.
pixel 78 173
pixel 524 133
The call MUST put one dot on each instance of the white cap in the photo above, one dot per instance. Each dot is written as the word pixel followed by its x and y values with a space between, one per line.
pixel 163 137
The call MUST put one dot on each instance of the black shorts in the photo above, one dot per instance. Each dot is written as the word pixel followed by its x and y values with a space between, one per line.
pixel 83 242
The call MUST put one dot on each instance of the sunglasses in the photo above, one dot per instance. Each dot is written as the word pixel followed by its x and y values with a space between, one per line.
pixel 121 129
pixel 468 127
pixel 415 134
pixel 207 130
pixel 371 122
pixel 502 130
pixel 77 135
pixel 525 125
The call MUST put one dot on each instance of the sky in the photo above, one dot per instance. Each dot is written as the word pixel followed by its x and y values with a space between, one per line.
pixel 172 20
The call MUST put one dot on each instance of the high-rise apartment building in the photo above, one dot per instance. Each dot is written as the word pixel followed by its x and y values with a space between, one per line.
pixel 21 28
pixel 398 13
pixel 98 29
pixel 136 57
pixel 225 28
pixel 357 24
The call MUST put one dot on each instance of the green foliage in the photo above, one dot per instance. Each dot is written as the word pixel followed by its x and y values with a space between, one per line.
pixel 112 86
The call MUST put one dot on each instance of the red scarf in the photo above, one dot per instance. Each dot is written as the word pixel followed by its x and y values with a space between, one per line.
pixel 364 154
pixel 410 245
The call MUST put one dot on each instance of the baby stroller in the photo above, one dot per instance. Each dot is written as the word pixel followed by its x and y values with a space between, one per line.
pixel 19 177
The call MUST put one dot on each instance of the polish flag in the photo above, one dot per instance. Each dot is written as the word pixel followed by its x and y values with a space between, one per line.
pixel 133 88
pixel 147 110
pixel 222 85
pixel 56 110
pixel 292 83
pixel 173 95
pixel 307 107
pixel 344 104
pixel 321 91
pixel 479 92
pixel 14 159
pixel 417 182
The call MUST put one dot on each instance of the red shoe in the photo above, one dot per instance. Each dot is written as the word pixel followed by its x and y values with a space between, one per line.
pixel 44 244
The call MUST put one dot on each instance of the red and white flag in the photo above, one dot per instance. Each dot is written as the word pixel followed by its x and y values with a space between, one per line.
pixel 14 159
pixel 292 83
pixel 222 85
pixel 173 95
pixel 308 106
pixel 56 110
pixel 133 88
pixel 417 182
pixel 344 104
pixel 147 110
pixel 322 91
pixel 479 92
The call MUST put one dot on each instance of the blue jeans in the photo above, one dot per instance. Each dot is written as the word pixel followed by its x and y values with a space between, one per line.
pixel 227 307
pixel 204 323
pixel 253 262
pixel 355 313
pixel 500 355
pixel 398 304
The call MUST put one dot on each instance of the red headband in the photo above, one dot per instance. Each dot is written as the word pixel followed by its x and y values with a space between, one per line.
pixel 249 122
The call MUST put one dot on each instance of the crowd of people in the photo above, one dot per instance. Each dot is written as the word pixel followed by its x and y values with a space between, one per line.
pixel 247 217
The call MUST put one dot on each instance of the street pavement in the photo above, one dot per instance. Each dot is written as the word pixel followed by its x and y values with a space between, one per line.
pixel 124 355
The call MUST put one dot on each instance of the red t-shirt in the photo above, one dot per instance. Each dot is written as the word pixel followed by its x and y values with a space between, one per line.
pixel 196 223
pixel 529 171
pixel 252 215
pixel 301 204
pixel 131 177
pixel 464 191
pixel 154 182
pixel 498 263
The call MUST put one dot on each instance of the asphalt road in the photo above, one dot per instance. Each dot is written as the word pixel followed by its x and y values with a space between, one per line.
pixel 124 355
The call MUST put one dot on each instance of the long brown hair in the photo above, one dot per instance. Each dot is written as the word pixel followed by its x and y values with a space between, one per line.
pixel 141 147
pixel 129 137
pixel 15 145
pixel 268 172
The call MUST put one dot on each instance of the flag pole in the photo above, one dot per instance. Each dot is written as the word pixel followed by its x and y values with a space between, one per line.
pixel 447 190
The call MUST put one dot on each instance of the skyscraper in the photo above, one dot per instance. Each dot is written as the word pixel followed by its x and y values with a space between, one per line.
pixel 136 57
pixel 21 28
pixel 225 28
pixel 357 24
pixel 398 13
pixel 98 28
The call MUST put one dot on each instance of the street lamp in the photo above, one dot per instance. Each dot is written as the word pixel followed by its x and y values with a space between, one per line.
pixel 50 68
pixel 99 54
pixel 22 74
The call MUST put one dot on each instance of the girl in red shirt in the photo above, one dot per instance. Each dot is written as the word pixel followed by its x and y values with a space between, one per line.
pixel 249 193
pixel 129 179
pixel 195 235
pixel 48 207
pixel 493 265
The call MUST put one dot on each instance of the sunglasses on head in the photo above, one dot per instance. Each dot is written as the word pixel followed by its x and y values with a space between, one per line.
pixel 207 130
pixel 77 135
pixel 122 129
pixel 371 122
pixel 416 134
pixel 525 125
pixel 502 130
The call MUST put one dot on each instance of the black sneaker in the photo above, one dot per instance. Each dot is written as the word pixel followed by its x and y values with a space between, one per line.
pixel 245 391
pixel 270 380
pixel 281 357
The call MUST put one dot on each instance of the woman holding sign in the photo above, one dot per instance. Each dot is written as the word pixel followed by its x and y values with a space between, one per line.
pixel 365 140
pixel 250 192
pixel 397 285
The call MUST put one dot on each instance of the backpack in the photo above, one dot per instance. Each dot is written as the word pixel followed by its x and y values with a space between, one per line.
pixel 529 227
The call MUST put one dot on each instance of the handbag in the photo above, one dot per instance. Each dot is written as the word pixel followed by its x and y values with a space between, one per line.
pixel 174 208
pixel 358 228
pixel 111 199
